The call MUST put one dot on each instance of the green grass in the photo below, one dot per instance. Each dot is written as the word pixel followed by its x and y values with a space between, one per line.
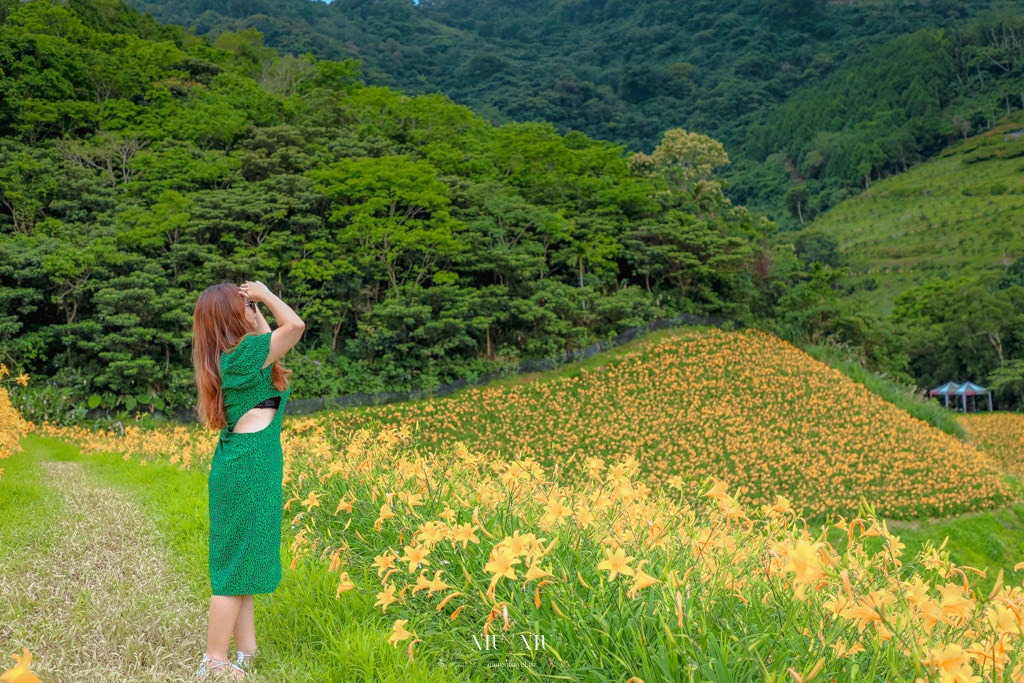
pixel 304 634
pixel 27 507
pixel 955 214
pixel 992 539
pixel 28 512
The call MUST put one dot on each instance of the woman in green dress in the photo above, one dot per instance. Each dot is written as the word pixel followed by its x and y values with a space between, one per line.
pixel 242 391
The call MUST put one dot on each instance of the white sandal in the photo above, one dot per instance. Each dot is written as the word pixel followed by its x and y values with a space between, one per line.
pixel 244 661
pixel 216 666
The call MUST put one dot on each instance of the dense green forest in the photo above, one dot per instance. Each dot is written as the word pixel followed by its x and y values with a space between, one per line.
pixel 812 99
pixel 419 242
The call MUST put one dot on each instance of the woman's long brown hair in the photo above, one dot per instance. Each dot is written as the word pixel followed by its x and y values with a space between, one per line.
pixel 218 324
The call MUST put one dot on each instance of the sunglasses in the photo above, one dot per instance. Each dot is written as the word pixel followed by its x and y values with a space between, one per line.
pixel 251 304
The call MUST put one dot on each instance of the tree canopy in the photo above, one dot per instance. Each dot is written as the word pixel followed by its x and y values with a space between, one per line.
pixel 831 94
pixel 420 242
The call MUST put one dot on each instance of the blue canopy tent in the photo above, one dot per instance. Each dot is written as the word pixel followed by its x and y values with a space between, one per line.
pixel 960 392
pixel 946 390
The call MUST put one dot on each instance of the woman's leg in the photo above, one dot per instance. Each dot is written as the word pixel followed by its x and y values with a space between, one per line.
pixel 224 611
pixel 245 626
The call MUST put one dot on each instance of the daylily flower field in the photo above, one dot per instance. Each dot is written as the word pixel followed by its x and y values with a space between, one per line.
pixel 746 407
pixel 12 426
pixel 1001 435
pixel 672 541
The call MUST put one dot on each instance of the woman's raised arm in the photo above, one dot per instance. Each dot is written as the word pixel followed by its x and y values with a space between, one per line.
pixel 290 325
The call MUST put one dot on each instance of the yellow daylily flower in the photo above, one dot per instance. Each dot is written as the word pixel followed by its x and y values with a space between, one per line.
pixel 399 632
pixel 384 562
pixel 311 501
pixel 718 489
pixel 20 673
pixel 385 513
pixel 585 518
pixel 465 534
pixel 953 605
pixel 536 572
pixel 842 650
pixel 616 563
pixel 414 556
pixel 501 563
pixel 386 597
pixel 436 584
pixel 422 583
pixel 336 561
pixel 952 662
pixel 641 580
pixel 555 511
pixel 344 584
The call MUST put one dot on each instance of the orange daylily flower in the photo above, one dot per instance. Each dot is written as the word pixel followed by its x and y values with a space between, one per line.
pixel 386 597
pixel 535 572
pixel 311 501
pixel 414 556
pixel 464 534
pixel 641 580
pixel 953 605
pixel 952 662
pixel 384 562
pixel 399 632
pixel 615 563
pixel 344 584
pixel 20 673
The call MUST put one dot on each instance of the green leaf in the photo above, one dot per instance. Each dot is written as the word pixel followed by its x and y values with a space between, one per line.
pixel 94 401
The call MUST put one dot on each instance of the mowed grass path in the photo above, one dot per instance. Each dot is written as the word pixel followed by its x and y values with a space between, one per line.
pixel 746 407
pixel 103 578
pixel 85 586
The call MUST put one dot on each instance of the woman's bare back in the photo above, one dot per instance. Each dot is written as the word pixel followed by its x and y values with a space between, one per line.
pixel 254 420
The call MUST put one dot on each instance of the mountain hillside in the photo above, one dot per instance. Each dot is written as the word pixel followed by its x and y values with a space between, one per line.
pixel 831 92
pixel 958 214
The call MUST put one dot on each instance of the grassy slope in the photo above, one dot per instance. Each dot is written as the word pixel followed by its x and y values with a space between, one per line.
pixel 991 540
pixel 957 213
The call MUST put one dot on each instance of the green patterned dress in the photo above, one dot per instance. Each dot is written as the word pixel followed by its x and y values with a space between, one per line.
pixel 245 484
